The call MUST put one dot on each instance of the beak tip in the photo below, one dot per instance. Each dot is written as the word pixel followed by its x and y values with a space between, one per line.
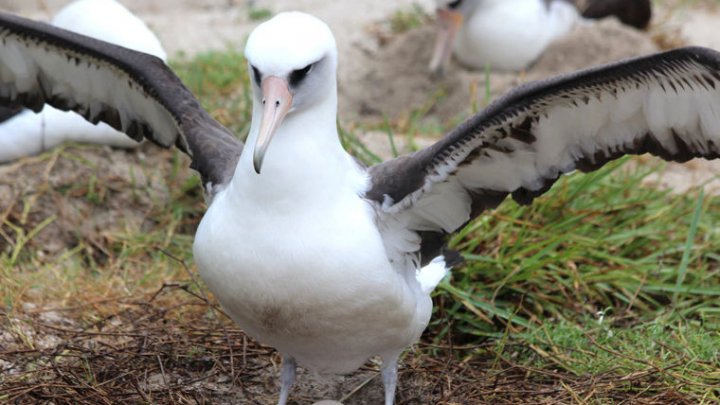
pixel 279 102
pixel 437 72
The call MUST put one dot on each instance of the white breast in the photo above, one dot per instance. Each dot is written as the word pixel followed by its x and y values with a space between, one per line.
pixel 314 282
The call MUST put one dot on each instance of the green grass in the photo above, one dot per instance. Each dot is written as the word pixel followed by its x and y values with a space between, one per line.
pixel 594 345
pixel 602 274
pixel 597 241
pixel 220 81
pixel 407 19
pixel 259 14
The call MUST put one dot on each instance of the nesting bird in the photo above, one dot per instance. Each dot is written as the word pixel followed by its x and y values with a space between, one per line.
pixel 511 34
pixel 327 260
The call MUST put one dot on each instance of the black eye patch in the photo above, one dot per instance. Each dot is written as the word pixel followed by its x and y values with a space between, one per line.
pixel 455 4
pixel 256 75
pixel 297 76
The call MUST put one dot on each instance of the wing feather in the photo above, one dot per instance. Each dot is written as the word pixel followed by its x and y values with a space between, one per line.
pixel 666 104
pixel 134 92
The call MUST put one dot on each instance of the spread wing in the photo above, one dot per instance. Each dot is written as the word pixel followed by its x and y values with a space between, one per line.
pixel 133 92
pixel 667 104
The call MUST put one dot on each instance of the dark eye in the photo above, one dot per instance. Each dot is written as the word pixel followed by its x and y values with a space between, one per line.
pixel 297 76
pixel 455 4
pixel 256 75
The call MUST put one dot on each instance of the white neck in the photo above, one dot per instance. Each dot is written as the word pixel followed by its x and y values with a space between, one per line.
pixel 305 159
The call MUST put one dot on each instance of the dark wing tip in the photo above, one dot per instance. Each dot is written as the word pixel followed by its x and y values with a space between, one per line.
pixel 452 257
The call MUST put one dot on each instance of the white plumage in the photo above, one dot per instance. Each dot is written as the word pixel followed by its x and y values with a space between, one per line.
pixel 501 34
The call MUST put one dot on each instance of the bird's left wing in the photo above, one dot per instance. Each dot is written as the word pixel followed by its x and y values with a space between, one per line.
pixel 132 91
pixel 667 104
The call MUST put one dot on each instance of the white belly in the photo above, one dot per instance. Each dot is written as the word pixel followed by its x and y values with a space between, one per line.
pixel 315 283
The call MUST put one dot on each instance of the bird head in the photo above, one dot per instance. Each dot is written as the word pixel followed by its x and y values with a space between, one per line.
pixel 292 59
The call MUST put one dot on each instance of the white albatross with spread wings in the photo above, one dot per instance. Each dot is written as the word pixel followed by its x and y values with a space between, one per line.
pixel 24 132
pixel 329 261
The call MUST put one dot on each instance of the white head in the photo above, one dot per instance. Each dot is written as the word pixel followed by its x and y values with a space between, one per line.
pixel 451 14
pixel 292 61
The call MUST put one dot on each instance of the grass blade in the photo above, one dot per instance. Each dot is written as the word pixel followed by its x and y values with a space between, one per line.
pixel 682 269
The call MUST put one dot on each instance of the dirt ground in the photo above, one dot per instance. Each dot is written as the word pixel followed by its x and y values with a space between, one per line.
pixel 152 352
pixel 381 74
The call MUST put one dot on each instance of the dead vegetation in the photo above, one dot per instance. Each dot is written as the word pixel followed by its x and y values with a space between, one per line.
pixel 175 347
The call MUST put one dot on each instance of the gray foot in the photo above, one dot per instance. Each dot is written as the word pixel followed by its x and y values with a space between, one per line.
pixel 389 378
pixel 287 378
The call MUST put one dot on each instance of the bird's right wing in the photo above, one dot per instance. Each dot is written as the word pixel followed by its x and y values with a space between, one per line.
pixel 667 104
pixel 131 91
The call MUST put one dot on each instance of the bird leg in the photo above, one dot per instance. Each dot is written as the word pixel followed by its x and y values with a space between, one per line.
pixel 287 378
pixel 389 377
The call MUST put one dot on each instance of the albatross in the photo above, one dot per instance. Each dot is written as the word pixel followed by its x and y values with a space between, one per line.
pixel 23 132
pixel 309 251
pixel 511 34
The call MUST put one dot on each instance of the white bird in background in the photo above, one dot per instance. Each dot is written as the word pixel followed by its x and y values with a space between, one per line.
pixel 329 261
pixel 23 132
pixel 511 34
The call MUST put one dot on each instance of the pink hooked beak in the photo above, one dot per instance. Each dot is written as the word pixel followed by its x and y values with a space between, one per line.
pixel 277 101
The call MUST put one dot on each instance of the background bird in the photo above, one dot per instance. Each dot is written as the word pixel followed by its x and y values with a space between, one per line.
pixel 511 34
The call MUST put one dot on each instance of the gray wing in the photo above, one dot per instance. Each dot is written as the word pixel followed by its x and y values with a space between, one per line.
pixel 133 92
pixel 667 104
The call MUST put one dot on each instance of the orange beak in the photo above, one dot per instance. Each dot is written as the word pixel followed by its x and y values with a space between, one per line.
pixel 277 101
pixel 448 25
